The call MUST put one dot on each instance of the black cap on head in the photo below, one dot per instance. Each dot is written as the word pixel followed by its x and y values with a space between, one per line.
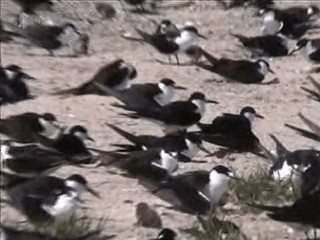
pixel 13 68
pixel 315 9
pixel 78 128
pixel 193 137
pixel 222 169
pixel 166 22
pixel 302 42
pixel 166 234
pixel 191 29
pixel 78 178
pixel 168 82
pixel 247 110
pixel 49 117
pixel 197 95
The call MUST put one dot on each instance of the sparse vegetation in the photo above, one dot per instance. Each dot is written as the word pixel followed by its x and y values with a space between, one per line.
pixel 75 227
pixel 213 228
pixel 259 187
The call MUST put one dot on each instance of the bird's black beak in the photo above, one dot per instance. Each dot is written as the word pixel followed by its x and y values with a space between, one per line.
pixel 180 88
pixel 90 139
pixel 202 36
pixel 293 51
pixel 271 71
pixel 211 101
pixel 93 192
pixel 259 116
pixel 202 148
pixel 26 76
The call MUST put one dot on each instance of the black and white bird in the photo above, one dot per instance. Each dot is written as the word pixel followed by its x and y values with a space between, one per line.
pixel 154 165
pixel 12 85
pixel 311 47
pixel 293 22
pixel 29 160
pixel 146 95
pixel 265 45
pixel 48 37
pixel 176 116
pixel 288 164
pixel 243 71
pixel 314 132
pixel 26 127
pixel 172 46
pixel 198 191
pixel 233 131
pixel 187 144
pixel 47 199
pixel 166 234
pixel 303 214
pixel 117 75
pixel 71 144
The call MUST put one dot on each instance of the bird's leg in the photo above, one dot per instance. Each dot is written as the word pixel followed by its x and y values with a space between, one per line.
pixel 177 58
pixel 51 53
pixel 169 58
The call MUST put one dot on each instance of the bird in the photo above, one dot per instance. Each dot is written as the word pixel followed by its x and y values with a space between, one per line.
pixel 116 75
pixel 172 46
pixel 198 191
pixel 242 71
pixel 29 6
pixel 49 199
pixel 106 10
pixel 48 37
pixel 146 95
pixel 167 28
pixel 187 144
pixel 293 22
pixel 26 127
pixel 303 214
pixel 72 144
pixel 265 45
pixel 314 134
pixel 141 3
pixel 10 233
pixel 29 161
pixel 147 217
pixel 311 46
pixel 233 131
pixel 166 234
pixel 12 85
pixel 150 165
pixel 176 116
pixel 288 164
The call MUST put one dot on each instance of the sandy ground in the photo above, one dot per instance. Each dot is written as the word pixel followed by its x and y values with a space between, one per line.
pixel 278 103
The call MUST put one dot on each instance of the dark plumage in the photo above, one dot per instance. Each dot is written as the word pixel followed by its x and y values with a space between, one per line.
pixel 116 74
pixel 243 71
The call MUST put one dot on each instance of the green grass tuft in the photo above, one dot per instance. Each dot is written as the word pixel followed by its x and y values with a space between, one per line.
pixel 213 228
pixel 260 188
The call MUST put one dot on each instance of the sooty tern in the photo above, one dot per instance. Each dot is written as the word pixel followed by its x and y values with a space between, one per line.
pixel 10 233
pixel 176 116
pixel 293 22
pixel 311 46
pixel 29 161
pixel 199 191
pixel 166 234
pixel 27 126
pixel 147 217
pixel 49 37
pixel 49 198
pixel 115 75
pixel 243 71
pixel 72 144
pixel 303 214
pixel 287 163
pixel 187 144
pixel 314 94
pixel 233 131
pixel 171 46
pixel 143 96
pixel 167 28
pixel 314 134
pixel 153 165
pixel 12 86
pixel 266 45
